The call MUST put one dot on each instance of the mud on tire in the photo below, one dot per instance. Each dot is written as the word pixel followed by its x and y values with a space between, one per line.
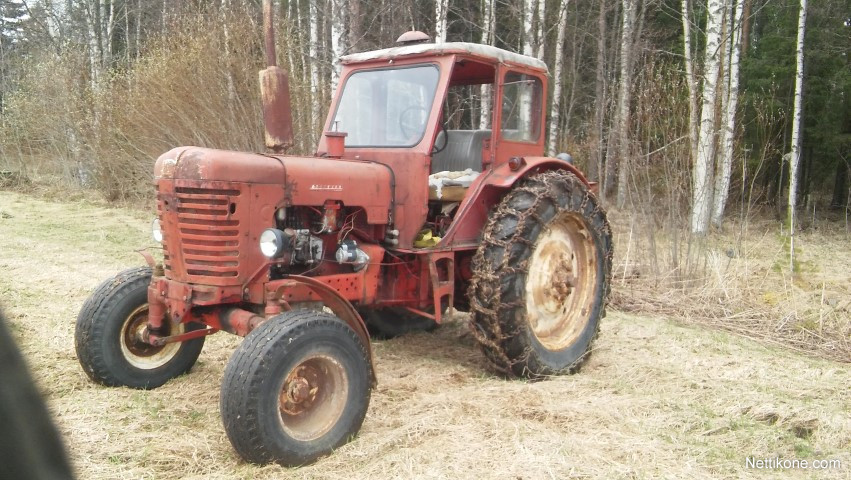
pixel 541 277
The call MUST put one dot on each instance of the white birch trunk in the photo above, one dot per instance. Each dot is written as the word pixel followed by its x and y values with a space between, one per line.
pixel 110 32
pixel 694 109
pixel 314 63
pixel 93 34
pixel 487 39
pixel 539 36
pixel 555 106
pixel 796 133
pixel 127 33
pixel 706 148
pixel 731 96
pixel 440 11
pixel 624 98
pixel 528 28
pixel 339 40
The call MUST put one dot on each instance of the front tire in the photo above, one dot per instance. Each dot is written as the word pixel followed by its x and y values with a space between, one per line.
pixel 541 277
pixel 295 389
pixel 107 337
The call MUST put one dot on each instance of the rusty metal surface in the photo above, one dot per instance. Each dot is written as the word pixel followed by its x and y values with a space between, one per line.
pixel 269 33
pixel 275 91
pixel 277 116
pixel 313 397
pixel 156 340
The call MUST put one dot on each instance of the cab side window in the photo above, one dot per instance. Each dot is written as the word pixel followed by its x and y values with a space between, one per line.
pixel 521 108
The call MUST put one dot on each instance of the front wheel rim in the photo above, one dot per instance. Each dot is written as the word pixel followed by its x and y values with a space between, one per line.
pixel 139 353
pixel 560 286
pixel 313 397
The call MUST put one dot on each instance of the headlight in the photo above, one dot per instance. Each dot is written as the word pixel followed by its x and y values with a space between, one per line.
pixel 272 242
pixel 156 231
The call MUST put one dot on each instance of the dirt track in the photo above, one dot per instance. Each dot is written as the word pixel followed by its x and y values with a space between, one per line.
pixel 656 400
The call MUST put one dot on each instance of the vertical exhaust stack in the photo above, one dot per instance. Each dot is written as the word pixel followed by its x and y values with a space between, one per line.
pixel 275 92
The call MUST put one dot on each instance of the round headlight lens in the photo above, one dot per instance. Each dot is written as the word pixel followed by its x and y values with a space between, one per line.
pixel 271 242
pixel 156 231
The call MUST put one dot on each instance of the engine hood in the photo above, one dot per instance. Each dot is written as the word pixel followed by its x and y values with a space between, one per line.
pixel 305 181
pixel 196 163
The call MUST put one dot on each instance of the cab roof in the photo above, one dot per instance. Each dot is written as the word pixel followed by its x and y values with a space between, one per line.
pixel 486 52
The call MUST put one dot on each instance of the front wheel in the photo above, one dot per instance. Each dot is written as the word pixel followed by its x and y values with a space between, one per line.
pixel 295 389
pixel 108 336
pixel 541 277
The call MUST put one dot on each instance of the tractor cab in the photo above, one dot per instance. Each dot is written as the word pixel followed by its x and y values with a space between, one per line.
pixel 428 112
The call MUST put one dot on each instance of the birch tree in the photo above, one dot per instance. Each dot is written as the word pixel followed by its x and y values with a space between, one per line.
pixel 795 159
pixel 441 8
pixel 706 148
pixel 624 96
pixel 730 100
pixel 555 112
pixel 314 62
pixel 94 41
pixel 541 14
pixel 487 39
pixel 533 22
pixel 339 39
pixel 691 81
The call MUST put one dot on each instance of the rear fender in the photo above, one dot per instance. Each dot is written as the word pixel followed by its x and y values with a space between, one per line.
pixel 487 191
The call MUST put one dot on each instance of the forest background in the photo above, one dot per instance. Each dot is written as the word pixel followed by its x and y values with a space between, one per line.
pixel 682 110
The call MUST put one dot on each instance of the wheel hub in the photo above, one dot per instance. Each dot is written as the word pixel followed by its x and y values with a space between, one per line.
pixel 560 283
pixel 312 397
pixel 137 351
pixel 300 390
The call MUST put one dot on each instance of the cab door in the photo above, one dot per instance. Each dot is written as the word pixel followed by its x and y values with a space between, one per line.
pixel 519 120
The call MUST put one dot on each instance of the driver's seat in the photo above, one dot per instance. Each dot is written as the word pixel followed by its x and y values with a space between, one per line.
pixel 463 151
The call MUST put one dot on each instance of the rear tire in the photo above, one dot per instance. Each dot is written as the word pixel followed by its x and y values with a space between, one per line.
pixel 107 341
pixel 295 389
pixel 541 277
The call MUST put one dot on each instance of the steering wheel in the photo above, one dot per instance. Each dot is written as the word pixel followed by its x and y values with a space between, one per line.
pixel 409 124
pixel 437 149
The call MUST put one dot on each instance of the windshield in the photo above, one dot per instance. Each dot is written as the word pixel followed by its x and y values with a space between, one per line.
pixel 387 107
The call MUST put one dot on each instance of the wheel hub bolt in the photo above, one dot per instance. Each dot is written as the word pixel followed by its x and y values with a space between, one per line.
pixel 298 390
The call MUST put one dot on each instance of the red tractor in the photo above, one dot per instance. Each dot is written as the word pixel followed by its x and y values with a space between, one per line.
pixel 302 255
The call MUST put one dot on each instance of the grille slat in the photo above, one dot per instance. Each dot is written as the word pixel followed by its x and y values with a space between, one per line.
pixel 230 260
pixel 209 221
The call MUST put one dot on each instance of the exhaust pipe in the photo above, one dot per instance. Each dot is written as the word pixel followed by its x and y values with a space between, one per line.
pixel 275 92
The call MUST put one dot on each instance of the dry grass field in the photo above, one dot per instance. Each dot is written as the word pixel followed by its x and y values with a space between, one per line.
pixel 660 398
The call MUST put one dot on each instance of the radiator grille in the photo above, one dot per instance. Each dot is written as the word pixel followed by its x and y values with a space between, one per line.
pixel 208 232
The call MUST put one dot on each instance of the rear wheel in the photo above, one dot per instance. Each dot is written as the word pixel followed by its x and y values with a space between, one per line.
pixel 296 388
pixel 108 336
pixel 541 277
